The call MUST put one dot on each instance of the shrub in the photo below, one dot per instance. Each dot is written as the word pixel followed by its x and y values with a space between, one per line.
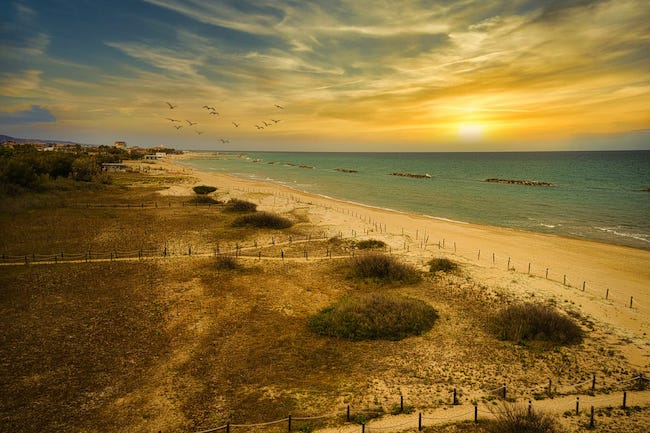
pixel 369 244
pixel 236 205
pixel 442 265
pixel 534 321
pixel 378 267
pixel 374 316
pixel 518 419
pixel 226 262
pixel 262 220
pixel 202 199
pixel 204 189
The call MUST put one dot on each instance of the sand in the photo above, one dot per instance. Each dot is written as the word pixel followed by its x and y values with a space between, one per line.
pixel 608 283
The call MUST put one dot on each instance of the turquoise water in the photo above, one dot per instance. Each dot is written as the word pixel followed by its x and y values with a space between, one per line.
pixel 597 195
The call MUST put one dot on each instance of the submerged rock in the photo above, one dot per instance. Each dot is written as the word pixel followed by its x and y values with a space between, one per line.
pixel 519 182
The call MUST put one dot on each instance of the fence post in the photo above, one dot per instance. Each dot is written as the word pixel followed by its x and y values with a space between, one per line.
pixel 347 416
pixel 577 405
pixel 530 407
pixel 593 383
pixel 479 255
pixel 624 399
pixel 550 389
pixel 631 300
pixel 547 273
pixel 607 294
pixel 401 404
pixel 475 413
pixel 289 423
pixel 504 391
pixel 455 400
pixel 528 268
pixel 508 266
pixel 363 427
pixel 591 418
pixel 228 427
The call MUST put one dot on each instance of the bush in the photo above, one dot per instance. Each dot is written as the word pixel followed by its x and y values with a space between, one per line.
pixel 369 244
pixel 262 220
pixel 518 419
pixel 442 265
pixel 236 205
pixel 202 199
pixel 204 189
pixel 380 268
pixel 374 316
pixel 226 262
pixel 534 321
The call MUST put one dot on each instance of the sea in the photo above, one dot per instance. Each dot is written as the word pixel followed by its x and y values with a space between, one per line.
pixel 597 195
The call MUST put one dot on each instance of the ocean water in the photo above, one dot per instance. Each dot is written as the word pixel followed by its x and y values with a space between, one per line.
pixel 596 195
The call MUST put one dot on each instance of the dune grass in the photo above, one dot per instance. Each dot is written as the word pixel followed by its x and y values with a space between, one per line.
pixel 204 189
pixel 264 220
pixel 236 205
pixel 380 268
pixel 374 316
pixel 530 321
pixel 442 265
pixel 512 418
pixel 369 244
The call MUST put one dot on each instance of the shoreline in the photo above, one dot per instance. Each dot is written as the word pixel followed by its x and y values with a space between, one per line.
pixel 601 279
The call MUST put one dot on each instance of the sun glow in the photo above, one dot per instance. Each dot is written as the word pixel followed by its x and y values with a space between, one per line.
pixel 470 132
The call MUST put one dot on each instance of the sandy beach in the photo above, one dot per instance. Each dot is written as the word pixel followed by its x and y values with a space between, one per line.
pixel 607 283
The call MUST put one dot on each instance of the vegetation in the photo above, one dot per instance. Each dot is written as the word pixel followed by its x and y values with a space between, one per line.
pixel 383 269
pixel 374 316
pixel 204 189
pixel 203 199
pixel 226 262
pixel 370 244
pixel 518 419
pixel 442 265
pixel 265 220
pixel 236 205
pixel 534 321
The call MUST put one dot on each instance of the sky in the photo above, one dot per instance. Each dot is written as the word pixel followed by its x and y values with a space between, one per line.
pixel 328 75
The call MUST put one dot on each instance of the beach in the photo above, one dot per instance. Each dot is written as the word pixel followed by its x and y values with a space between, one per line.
pixel 608 283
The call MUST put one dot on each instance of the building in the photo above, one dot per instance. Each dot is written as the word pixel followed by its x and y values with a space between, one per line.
pixel 120 144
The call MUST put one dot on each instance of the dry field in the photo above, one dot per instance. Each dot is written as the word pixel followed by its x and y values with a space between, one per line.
pixel 180 344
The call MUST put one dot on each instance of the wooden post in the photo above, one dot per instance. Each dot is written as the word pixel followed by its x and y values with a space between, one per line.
pixel 631 300
pixel 455 400
pixel 606 293
pixel 401 404
pixel 259 256
pixel 577 405
pixel 593 383
pixel 289 423
pixel 347 416
pixel 584 283
pixel 454 246
pixel 591 418
pixel 530 407
pixel 547 273
pixel 475 413
pixel 508 266
pixel 504 391
pixel 528 268
pixel 550 384
pixel 420 421
pixel 624 399
pixel 493 258
pixel 227 427
pixel 479 255
pixel 564 282
pixel 363 427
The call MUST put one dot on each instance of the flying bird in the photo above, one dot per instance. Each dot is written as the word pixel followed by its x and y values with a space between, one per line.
pixel 276 121
pixel 224 141
pixel 259 127
pixel 172 120
pixel 267 124
pixel 171 106
pixel 199 132
pixel 214 112
pixel 236 124
pixel 279 106
pixel 177 126
pixel 191 123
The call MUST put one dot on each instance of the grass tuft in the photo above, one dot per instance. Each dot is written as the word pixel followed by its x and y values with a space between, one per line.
pixel 236 205
pixel 536 322
pixel 374 316
pixel 226 263
pixel 202 199
pixel 442 265
pixel 265 220
pixel 383 269
pixel 518 419
pixel 370 244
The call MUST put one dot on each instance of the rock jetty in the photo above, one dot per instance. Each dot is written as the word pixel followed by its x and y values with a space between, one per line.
pixel 519 182
pixel 414 175
pixel 346 170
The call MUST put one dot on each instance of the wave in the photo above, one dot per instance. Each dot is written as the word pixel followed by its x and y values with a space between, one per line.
pixel 643 237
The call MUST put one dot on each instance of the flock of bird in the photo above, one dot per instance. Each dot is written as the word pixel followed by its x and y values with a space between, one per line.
pixel 212 111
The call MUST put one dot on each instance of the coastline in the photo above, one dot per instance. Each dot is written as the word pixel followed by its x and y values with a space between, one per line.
pixel 602 279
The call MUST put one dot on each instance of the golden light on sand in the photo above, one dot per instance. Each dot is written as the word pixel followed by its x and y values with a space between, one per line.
pixel 470 132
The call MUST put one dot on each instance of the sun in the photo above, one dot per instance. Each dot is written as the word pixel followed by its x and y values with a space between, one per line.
pixel 470 132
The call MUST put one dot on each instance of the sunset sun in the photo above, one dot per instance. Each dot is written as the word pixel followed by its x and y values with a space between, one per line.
pixel 470 132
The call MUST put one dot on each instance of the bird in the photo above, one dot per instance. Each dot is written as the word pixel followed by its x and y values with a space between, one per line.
pixel 171 106
pixel 209 108
pixel 224 141
pixel 206 107
pixel 199 132
pixel 172 120
pixel 191 123
pixel 276 121
pixel 259 127
pixel 236 124
pixel 279 106
pixel 177 126
pixel 267 124
pixel 214 113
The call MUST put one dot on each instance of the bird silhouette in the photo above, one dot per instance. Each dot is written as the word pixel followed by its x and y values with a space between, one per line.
pixel 214 113
pixel 172 120
pixel 191 123
pixel 177 126
pixel 279 106
pixel 171 106
pixel 199 132
pixel 259 127
pixel 206 107
pixel 276 121
pixel 236 124
pixel 267 124
pixel 224 141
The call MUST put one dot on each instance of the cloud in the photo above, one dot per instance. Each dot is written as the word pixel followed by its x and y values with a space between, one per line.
pixel 36 114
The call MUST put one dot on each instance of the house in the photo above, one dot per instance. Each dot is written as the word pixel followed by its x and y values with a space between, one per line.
pixel 120 144
pixel 114 167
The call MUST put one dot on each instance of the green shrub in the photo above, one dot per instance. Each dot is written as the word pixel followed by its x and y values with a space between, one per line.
pixel 262 220
pixel 204 189
pixel 442 265
pixel 226 262
pixel 534 321
pixel 374 316
pixel 381 268
pixel 369 244
pixel 202 199
pixel 236 205
pixel 518 419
